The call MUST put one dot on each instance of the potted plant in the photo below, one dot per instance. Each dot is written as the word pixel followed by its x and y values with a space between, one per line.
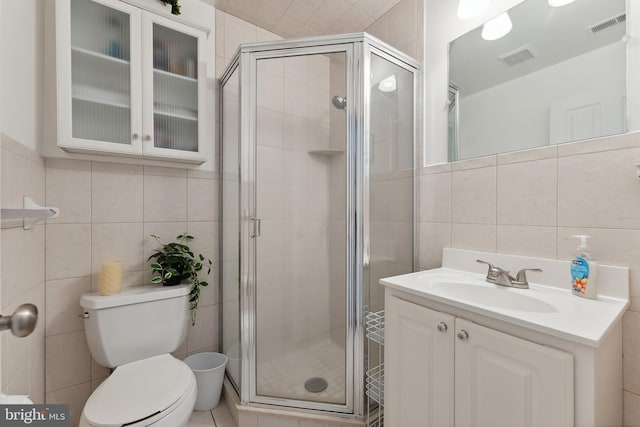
pixel 175 6
pixel 175 262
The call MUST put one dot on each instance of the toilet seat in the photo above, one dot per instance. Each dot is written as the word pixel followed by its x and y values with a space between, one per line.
pixel 140 392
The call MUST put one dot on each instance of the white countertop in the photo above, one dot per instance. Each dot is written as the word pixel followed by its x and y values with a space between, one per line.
pixel 547 307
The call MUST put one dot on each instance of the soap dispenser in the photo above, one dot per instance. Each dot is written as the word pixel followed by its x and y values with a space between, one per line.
pixel 584 270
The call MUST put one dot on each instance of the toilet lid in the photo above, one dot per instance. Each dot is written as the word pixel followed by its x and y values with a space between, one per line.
pixel 138 390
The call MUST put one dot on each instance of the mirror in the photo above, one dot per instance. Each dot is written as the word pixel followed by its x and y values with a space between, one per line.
pixel 557 76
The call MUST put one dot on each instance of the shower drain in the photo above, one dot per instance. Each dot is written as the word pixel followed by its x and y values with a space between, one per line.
pixel 316 385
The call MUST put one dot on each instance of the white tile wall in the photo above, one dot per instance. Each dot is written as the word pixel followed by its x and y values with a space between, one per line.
pixel 535 201
pixel 116 193
pixel 527 193
pixel 23 270
pixel 165 198
pixel 113 210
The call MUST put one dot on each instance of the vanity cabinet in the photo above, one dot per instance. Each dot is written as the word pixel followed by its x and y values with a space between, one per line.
pixel 443 370
pixel 129 82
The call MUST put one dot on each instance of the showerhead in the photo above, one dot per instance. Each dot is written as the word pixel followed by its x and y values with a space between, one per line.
pixel 340 102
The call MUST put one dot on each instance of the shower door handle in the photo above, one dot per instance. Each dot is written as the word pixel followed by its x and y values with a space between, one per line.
pixel 256 227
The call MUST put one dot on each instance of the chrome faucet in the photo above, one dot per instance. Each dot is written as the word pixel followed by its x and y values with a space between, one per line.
pixel 498 276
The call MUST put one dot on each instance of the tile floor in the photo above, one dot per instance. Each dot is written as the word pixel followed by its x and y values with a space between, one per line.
pixel 285 377
pixel 218 417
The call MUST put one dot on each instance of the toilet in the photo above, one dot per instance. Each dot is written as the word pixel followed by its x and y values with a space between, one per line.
pixel 134 332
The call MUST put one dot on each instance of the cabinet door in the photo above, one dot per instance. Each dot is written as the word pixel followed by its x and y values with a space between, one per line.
pixel 98 76
pixel 418 389
pixel 506 381
pixel 173 87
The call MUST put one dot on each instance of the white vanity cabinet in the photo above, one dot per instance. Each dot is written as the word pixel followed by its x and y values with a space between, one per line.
pixel 443 370
pixel 502 380
pixel 419 366
pixel 129 82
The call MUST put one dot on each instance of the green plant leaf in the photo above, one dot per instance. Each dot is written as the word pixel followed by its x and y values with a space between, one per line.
pixel 175 257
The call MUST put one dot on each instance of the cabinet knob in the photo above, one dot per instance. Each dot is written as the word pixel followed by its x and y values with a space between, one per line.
pixel 147 137
pixel 134 136
pixel 442 327
pixel 463 335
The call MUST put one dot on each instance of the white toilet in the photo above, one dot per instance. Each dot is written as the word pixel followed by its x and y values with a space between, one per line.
pixel 134 332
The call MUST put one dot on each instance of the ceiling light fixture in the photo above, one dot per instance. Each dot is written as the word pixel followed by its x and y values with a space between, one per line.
pixel 558 3
pixel 469 9
pixel 498 27
pixel 388 84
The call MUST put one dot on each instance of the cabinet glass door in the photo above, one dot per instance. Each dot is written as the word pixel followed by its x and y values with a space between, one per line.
pixel 101 79
pixel 174 57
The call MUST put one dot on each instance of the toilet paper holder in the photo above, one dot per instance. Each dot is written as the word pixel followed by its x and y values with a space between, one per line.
pixel 22 322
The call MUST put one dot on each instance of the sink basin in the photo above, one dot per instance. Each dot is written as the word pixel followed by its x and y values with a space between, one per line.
pixel 507 298
pixel 547 307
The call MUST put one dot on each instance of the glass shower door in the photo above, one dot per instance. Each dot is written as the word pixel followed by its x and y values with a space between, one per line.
pixel 300 281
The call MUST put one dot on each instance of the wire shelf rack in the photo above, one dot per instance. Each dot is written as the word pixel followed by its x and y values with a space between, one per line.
pixel 375 326
pixel 375 384
pixel 377 421
pixel 374 376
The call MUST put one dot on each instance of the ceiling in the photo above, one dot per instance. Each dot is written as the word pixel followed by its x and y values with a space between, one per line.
pixel 552 34
pixel 302 18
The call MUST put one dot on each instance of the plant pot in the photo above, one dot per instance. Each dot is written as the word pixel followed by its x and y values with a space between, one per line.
pixel 174 280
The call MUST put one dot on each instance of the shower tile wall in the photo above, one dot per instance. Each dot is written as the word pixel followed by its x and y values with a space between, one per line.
pixel 526 203
pixel 108 211
pixel 23 270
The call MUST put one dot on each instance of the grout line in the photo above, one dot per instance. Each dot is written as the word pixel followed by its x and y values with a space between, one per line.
pixel 496 206
pixel 450 211
pixel 557 202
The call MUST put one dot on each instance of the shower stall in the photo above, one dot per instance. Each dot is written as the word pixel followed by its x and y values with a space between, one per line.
pixel 317 195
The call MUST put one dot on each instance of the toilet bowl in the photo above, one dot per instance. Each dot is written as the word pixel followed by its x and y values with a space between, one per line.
pixel 134 332
pixel 159 391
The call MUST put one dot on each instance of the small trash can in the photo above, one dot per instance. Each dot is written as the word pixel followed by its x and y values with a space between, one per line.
pixel 209 371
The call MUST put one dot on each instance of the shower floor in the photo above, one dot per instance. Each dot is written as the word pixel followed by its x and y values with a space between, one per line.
pixel 285 377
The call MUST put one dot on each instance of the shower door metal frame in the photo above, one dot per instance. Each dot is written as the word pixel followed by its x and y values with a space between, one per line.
pixel 233 66
pixel 248 75
pixel 358 48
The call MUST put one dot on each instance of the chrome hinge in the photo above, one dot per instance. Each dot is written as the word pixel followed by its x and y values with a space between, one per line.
pixel 256 227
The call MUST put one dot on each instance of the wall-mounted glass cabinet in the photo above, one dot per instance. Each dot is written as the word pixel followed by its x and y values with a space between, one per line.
pixel 128 82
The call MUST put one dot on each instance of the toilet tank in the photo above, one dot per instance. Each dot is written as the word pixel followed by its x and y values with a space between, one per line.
pixel 137 323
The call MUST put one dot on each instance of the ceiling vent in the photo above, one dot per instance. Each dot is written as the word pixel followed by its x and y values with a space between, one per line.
pixel 517 56
pixel 603 25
